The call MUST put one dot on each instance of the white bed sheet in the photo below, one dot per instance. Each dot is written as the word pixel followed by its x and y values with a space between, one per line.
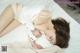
pixel 18 34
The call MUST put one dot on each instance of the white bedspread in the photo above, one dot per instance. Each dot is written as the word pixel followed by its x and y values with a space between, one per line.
pixel 18 34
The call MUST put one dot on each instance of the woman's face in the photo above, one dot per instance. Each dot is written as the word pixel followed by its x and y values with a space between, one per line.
pixel 43 22
pixel 48 29
pixel 51 36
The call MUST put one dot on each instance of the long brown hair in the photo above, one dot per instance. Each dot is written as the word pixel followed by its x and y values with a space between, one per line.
pixel 62 32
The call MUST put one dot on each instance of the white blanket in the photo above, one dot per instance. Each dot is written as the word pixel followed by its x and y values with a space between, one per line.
pixel 18 35
pixel 25 47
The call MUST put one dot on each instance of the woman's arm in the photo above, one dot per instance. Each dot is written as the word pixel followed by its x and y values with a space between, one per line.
pixel 10 27
pixel 5 18
pixel 7 21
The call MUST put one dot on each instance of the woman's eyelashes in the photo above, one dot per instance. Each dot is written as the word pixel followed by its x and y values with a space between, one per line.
pixel 50 38
pixel 37 33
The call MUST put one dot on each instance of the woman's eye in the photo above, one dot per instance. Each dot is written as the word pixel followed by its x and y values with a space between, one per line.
pixel 50 38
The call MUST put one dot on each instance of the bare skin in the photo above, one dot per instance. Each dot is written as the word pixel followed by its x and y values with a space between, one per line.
pixel 7 21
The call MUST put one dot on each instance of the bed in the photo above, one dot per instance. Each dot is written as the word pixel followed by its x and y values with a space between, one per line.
pixel 74 44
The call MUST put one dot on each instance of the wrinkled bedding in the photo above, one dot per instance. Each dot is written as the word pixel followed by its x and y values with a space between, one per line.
pixel 16 40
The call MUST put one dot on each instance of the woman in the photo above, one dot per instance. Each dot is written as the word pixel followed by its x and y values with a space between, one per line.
pixel 57 31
